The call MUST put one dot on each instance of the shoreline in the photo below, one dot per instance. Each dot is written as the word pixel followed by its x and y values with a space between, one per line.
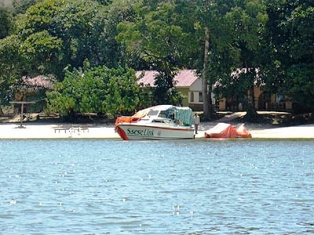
pixel 106 131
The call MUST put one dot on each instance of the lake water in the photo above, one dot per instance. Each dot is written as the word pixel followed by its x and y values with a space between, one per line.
pixel 156 187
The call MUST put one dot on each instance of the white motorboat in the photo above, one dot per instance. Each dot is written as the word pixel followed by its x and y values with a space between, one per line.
pixel 158 122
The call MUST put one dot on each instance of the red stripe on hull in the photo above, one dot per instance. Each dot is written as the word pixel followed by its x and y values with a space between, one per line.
pixel 122 133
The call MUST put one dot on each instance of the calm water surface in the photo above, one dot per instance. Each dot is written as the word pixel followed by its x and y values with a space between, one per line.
pixel 156 187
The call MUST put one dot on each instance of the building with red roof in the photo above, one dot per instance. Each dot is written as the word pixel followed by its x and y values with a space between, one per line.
pixel 186 81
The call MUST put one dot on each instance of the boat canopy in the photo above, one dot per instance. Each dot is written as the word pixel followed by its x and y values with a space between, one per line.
pixel 183 114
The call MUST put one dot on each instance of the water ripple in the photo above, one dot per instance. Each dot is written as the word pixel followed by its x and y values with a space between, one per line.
pixel 156 187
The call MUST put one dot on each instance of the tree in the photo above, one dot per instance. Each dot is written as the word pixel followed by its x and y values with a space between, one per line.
pixel 117 12
pixel 42 52
pixel 238 48
pixel 155 33
pixel 8 51
pixel 249 27
pixel 206 18
pixel 95 90
pixel 76 28
pixel 209 36
pixel 10 67
pixel 6 22
pixel 20 6
pixel 104 2
pixel 290 34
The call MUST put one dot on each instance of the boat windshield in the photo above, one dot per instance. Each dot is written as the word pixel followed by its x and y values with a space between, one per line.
pixel 162 114
pixel 152 113
pixel 167 121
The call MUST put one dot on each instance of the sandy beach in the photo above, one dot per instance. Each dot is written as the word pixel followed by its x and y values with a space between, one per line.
pixel 56 131
pixel 292 132
pixel 263 131
pixel 51 131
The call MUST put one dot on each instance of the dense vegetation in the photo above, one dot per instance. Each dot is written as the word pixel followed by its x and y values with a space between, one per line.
pixel 92 48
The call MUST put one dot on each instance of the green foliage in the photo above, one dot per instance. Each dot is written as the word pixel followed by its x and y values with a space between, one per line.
pixel 10 67
pixel 20 6
pixel 234 55
pixel 43 52
pixel 54 36
pixel 104 2
pixel 64 33
pixel 165 92
pixel 113 53
pixel 95 90
pixel 299 85
pixel 6 22
pixel 157 33
pixel 289 47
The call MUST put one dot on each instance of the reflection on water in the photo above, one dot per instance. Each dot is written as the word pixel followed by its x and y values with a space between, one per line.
pixel 156 187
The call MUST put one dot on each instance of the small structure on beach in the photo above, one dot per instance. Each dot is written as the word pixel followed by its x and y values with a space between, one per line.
pixel 33 88
pixel 22 103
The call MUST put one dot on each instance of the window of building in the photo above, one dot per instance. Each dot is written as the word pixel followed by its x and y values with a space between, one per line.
pixel 191 97
pixel 200 97
pixel 280 98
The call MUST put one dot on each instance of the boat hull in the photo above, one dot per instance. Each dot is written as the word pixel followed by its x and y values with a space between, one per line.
pixel 129 131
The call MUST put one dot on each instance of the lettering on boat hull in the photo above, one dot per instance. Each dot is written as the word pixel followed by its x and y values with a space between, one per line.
pixel 140 132
pixel 157 122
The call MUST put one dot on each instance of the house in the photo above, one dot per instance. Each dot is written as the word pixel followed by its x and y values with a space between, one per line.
pixel 262 100
pixel 189 84
pixel 33 89
pixel 186 81
pixel 32 86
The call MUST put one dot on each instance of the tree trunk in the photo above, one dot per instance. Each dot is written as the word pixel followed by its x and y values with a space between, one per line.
pixel 206 97
pixel 251 113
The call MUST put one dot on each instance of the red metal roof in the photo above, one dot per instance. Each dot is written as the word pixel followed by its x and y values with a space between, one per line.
pixel 39 81
pixel 146 77
pixel 184 78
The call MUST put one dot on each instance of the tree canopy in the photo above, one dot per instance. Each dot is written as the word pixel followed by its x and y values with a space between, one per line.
pixel 64 39
pixel 291 36
pixel 65 34
pixel 95 90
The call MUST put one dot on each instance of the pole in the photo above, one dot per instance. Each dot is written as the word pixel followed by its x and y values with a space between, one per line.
pixel 22 110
